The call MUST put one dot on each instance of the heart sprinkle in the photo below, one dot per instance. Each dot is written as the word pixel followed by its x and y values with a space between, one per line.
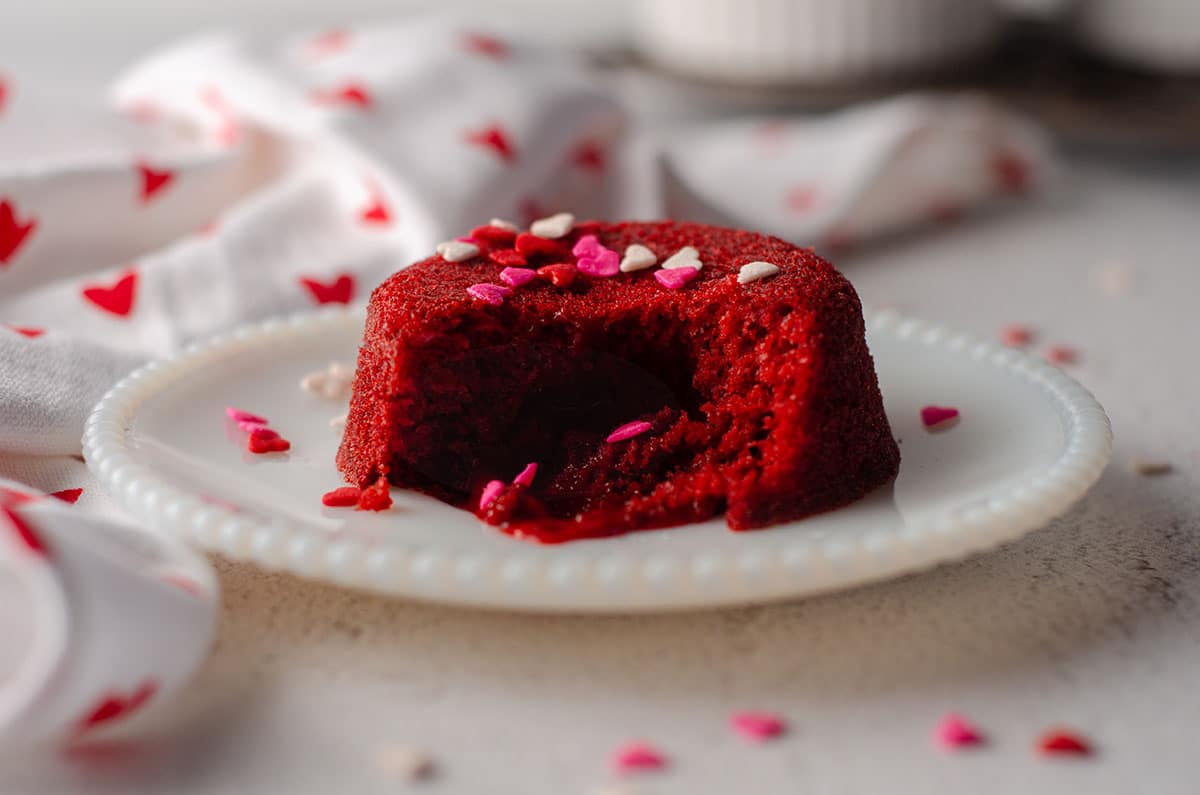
pixel 628 431
pixel 757 726
pixel 1016 335
pixel 753 271
pixel 638 757
pixel 333 382
pixel 493 235
pixel 554 227
pixel 492 294
pixel 938 417
pixel 457 250
pixel 955 731
pixel 527 475
pixel 595 259
pixel 686 257
pixel 675 279
pixel 637 258
pixel 376 497
pixel 1061 355
pixel 237 415
pixel 508 257
pixel 560 275
pixel 491 491
pixel 338 424
pixel 265 440
pixel 500 223
pixel 1149 466
pixel 533 246
pixel 343 497
pixel 1063 742
pixel 515 277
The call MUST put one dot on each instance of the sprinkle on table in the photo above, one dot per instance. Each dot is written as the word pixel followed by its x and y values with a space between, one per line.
pixel 1063 742
pixel 753 271
pixel 1016 335
pixel 1150 467
pixel 457 250
pixel 936 418
pixel 1061 355
pixel 628 431
pixel 553 227
pixel 757 726
pixel 637 258
pixel 638 757
pixel 954 731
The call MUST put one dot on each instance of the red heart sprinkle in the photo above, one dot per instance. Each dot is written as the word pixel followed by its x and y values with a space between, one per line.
pixel 116 299
pixel 508 257
pixel 375 497
pixel 589 156
pixel 496 139
pixel 1016 335
pixel 493 235
pixel 533 246
pixel 1063 742
pixel 28 331
pixel 14 233
pixel 68 495
pixel 342 497
pixel 153 180
pixel 116 706
pixel 938 416
pixel 265 440
pixel 339 291
pixel 376 212
pixel 485 45
pixel 1061 355
pixel 560 275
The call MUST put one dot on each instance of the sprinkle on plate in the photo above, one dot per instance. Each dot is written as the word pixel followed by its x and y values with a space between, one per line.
pixel 757 726
pixel 638 757
pixel 954 732
pixel 936 418
pixel 1063 742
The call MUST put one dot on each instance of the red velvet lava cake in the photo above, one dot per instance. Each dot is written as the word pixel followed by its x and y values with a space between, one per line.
pixel 584 380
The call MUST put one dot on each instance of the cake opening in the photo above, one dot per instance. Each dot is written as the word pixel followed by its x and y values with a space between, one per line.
pixel 554 405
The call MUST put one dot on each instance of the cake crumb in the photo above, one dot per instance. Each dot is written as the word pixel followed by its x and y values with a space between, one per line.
pixel 1150 467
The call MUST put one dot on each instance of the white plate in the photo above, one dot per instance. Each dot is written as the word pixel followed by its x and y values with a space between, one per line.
pixel 1030 443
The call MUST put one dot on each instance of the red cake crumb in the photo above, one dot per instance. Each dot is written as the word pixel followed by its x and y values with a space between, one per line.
pixel 375 497
pixel 761 399
pixel 343 497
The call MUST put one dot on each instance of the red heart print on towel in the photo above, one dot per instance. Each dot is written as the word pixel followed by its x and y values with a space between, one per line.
pixel 338 291
pixel 496 139
pixel 25 534
pixel 117 298
pixel 329 42
pixel 483 44
pixel 589 156
pixel 153 180
pixel 14 233
pixel 348 94
pixel 116 706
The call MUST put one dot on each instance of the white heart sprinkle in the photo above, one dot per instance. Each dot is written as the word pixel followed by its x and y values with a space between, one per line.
pixel 457 250
pixel 341 370
pixel 554 227
pixel 313 382
pixel 500 223
pixel 686 257
pixel 338 423
pixel 637 258
pixel 753 271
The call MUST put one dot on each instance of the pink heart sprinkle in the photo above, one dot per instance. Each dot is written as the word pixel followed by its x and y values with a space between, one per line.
pixel 595 259
pixel 527 475
pixel 515 277
pixel 757 726
pixel 239 416
pixel 628 431
pixel 492 294
pixel 249 426
pixel 954 731
pixel 934 416
pixel 675 278
pixel 637 757
pixel 490 492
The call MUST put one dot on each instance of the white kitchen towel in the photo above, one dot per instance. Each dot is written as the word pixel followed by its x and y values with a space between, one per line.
pixel 226 181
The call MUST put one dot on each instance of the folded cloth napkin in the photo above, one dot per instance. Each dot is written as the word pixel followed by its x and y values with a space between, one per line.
pixel 227 182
